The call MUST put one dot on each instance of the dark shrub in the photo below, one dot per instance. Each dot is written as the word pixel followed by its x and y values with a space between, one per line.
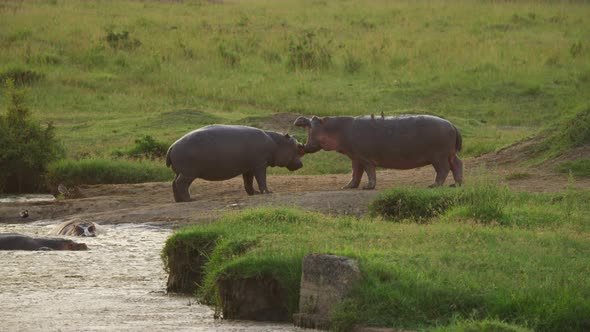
pixel 26 149
pixel 305 52
pixel 121 40
pixel 415 204
pixel 21 77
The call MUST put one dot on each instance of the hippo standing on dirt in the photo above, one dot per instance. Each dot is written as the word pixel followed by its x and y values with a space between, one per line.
pixel 221 152
pixel 14 241
pixel 403 142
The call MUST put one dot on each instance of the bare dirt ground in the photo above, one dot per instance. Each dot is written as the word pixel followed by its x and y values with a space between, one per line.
pixel 153 203
pixel 119 283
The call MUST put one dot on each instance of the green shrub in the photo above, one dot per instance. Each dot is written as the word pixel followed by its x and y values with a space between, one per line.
pixel 20 77
pixel 121 40
pixel 145 147
pixel 26 148
pixel 352 64
pixel 416 204
pixel 103 171
pixel 305 52
pixel 230 56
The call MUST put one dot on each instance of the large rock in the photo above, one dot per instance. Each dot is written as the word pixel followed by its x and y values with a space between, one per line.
pixel 325 281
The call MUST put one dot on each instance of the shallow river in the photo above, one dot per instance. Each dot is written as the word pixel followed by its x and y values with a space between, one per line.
pixel 117 285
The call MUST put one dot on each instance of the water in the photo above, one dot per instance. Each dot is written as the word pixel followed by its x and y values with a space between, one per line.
pixel 117 285
pixel 26 198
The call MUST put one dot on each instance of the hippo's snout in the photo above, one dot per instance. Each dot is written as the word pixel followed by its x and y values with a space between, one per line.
pixel 295 165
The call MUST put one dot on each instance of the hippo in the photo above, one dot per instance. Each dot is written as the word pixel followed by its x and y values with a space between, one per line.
pixel 221 152
pixel 402 142
pixel 15 241
pixel 75 227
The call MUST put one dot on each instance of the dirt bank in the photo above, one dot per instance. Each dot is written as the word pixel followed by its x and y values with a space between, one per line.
pixel 152 203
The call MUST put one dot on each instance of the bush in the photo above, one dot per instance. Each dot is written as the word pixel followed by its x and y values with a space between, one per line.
pixel 26 149
pixel 485 198
pixel 145 147
pixel 121 40
pixel 306 53
pixel 103 171
pixel 416 204
pixel 20 77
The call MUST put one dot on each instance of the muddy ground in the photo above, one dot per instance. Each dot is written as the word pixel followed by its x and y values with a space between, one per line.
pixel 119 284
pixel 153 203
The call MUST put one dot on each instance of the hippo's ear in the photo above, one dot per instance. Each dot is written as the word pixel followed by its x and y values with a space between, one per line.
pixel 302 122
pixel 287 136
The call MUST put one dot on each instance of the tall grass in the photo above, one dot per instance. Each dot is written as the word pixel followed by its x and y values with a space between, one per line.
pixel 112 69
pixel 104 171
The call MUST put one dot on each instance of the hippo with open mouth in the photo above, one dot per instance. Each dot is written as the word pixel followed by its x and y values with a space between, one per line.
pixel 403 142
pixel 15 241
pixel 221 152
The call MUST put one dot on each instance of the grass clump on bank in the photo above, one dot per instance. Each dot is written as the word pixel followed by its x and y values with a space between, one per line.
pixel 578 167
pixel 415 275
pixel 104 171
pixel 570 133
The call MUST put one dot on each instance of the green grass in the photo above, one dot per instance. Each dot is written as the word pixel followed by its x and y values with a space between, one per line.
pixel 113 71
pixel 415 276
pixel 104 171
pixel 579 167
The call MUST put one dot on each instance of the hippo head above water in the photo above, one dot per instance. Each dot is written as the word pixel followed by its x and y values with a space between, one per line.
pixel 85 229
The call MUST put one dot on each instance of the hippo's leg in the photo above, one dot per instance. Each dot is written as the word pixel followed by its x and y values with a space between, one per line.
pixel 182 184
pixel 371 174
pixel 174 190
pixel 260 175
pixel 457 169
pixel 357 174
pixel 442 169
pixel 249 183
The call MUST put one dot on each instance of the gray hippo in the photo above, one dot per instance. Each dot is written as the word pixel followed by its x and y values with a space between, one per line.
pixel 14 241
pixel 403 142
pixel 221 152
pixel 75 227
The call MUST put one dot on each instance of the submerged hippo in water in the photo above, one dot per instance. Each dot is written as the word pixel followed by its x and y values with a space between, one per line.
pixel 75 227
pixel 221 152
pixel 403 142
pixel 14 241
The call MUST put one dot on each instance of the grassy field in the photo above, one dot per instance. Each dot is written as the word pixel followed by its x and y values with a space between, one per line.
pixel 459 271
pixel 107 73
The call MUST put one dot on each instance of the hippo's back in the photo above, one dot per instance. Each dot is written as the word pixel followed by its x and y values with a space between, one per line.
pixel 220 152
pixel 403 142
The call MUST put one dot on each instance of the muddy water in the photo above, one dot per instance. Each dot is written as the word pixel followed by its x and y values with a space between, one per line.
pixel 118 285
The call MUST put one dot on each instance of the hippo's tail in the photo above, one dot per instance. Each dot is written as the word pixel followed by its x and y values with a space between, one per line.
pixel 458 140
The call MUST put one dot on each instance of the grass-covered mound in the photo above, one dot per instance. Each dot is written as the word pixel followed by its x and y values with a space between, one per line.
pixel 415 275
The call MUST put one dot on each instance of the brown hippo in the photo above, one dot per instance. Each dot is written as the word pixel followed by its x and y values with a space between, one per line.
pixel 221 152
pixel 402 142
pixel 14 241
pixel 75 227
